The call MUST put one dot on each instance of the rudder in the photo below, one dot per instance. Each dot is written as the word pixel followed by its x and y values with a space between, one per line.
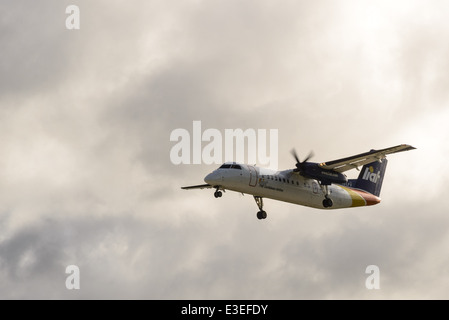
pixel 371 177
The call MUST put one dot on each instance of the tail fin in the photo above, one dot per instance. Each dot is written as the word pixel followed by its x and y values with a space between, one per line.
pixel 371 177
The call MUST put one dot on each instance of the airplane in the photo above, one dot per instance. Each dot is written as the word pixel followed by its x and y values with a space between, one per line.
pixel 317 185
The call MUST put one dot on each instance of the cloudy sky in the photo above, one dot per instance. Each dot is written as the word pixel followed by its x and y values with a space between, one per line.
pixel 85 123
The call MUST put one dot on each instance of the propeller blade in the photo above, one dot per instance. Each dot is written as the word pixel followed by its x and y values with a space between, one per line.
pixel 293 152
pixel 299 164
pixel 311 154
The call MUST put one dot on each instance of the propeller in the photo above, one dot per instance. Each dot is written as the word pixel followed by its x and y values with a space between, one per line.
pixel 299 164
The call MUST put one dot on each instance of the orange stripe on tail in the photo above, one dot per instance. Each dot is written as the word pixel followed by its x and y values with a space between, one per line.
pixel 369 198
pixel 361 198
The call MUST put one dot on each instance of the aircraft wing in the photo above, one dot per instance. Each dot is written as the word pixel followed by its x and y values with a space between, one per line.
pixel 358 160
pixel 201 186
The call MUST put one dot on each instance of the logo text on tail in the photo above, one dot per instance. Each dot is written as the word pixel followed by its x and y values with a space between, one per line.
pixel 370 175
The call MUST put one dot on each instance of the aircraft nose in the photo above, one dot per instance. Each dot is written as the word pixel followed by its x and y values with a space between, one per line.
pixel 213 178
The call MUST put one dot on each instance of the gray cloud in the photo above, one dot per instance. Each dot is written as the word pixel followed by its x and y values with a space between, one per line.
pixel 123 258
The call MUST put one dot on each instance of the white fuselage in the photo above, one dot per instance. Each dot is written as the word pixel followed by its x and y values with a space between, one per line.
pixel 286 186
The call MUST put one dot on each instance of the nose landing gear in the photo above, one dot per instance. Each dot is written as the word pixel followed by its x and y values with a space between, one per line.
pixel 218 193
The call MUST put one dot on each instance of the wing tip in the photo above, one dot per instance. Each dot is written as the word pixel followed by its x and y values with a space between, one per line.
pixel 406 147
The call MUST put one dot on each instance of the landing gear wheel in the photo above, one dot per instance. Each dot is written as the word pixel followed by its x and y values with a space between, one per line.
pixel 218 194
pixel 261 215
pixel 327 203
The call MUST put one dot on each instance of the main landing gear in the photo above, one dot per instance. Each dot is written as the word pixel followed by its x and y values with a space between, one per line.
pixel 327 202
pixel 261 214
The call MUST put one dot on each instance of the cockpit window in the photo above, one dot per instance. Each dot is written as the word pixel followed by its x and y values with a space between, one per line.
pixel 231 166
